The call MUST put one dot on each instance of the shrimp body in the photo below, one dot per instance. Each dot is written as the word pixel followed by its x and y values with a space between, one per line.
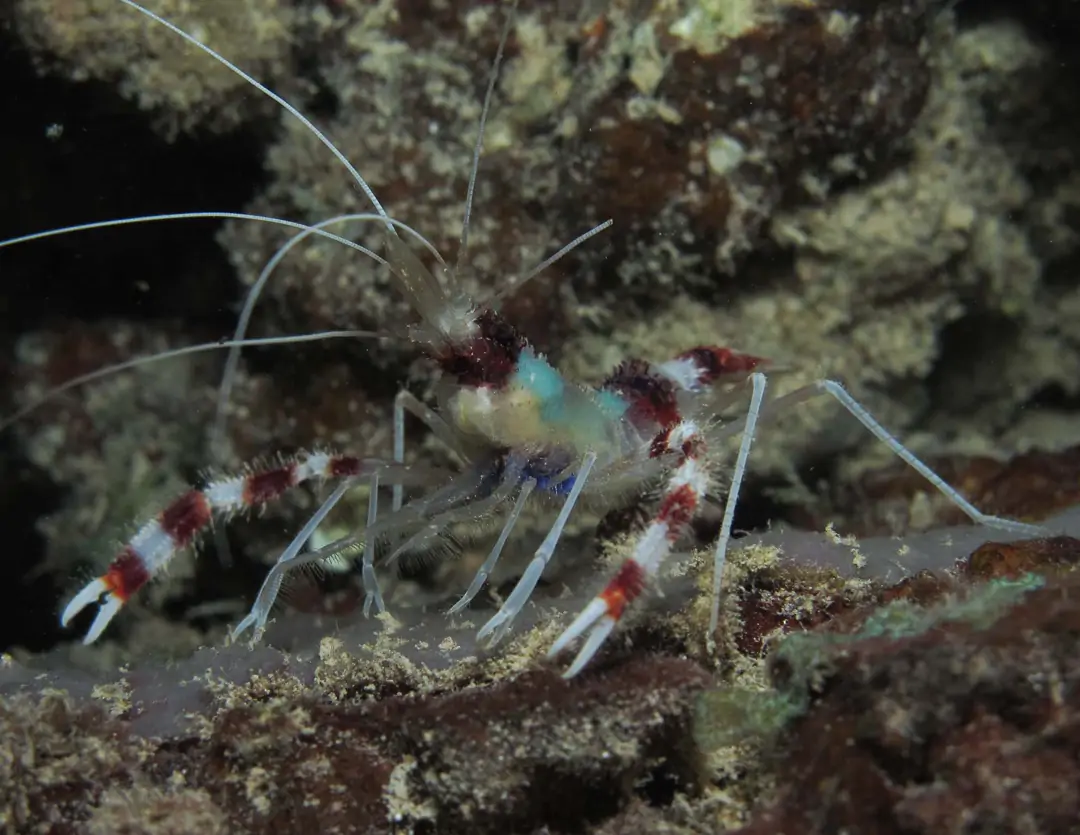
pixel 519 427
pixel 539 409
pixel 563 438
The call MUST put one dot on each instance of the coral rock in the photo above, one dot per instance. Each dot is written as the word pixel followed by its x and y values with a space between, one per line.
pixel 964 720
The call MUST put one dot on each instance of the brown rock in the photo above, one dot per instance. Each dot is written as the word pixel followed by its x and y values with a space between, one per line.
pixel 1032 486
pixel 275 756
pixel 949 729
pixel 1011 560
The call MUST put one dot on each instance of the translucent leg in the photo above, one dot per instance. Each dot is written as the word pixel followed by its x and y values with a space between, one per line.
pixel 493 557
pixel 398 495
pixel 459 490
pixel 758 381
pixel 441 501
pixel 406 401
pixel 469 510
pixel 372 593
pixel 495 629
pixel 837 391
pixel 268 593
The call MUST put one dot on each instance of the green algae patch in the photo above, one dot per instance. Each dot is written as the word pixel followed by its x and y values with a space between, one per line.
pixel 734 716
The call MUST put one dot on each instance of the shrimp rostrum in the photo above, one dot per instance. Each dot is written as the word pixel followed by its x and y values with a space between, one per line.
pixel 524 433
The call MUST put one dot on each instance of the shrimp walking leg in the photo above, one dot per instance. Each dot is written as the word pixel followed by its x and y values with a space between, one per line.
pixel 372 592
pixel 758 381
pixel 856 410
pixel 459 490
pixel 187 518
pixel 496 550
pixel 682 495
pixel 495 629
pixel 271 587
pixel 860 413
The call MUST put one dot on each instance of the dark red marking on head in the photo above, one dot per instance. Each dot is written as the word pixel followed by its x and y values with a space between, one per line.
pixel 343 466
pixel 260 488
pixel 624 588
pixel 659 444
pixel 186 517
pixel 693 447
pixel 487 359
pixel 714 362
pixel 127 574
pixel 651 397
pixel 677 510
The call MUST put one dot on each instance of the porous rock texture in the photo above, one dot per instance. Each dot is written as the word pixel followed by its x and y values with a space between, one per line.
pixel 151 65
pixel 834 704
pixel 278 754
pixel 963 724
pixel 879 192
pixel 873 192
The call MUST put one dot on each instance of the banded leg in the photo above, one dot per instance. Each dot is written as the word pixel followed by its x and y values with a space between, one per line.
pixel 682 495
pixel 652 394
pixel 706 365
pixel 709 365
pixel 292 557
pixel 184 521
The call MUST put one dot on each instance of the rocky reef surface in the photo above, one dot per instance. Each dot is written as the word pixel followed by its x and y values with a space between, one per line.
pixel 835 701
pixel 882 193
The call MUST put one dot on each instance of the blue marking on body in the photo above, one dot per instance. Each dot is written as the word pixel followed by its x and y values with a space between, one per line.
pixel 538 376
pixel 543 380
pixel 557 484
pixel 563 487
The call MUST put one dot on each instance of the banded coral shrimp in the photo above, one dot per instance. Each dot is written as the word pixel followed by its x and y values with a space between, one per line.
pixel 540 433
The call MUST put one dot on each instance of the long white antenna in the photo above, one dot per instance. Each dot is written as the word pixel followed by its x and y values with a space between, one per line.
pixel 202 347
pixel 232 362
pixel 479 147
pixel 128 221
pixel 514 286
pixel 262 88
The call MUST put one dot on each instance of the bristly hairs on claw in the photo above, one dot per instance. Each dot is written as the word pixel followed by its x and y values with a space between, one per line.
pixel 520 429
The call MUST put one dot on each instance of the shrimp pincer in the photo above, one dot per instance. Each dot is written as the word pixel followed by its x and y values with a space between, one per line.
pixel 519 428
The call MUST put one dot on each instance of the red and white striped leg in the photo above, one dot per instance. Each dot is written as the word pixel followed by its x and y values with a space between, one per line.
pixel 181 524
pixel 707 365
pixel 683 494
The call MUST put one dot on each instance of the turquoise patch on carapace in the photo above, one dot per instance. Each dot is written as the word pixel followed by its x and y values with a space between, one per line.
pixel 611 404
pixel 536 375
